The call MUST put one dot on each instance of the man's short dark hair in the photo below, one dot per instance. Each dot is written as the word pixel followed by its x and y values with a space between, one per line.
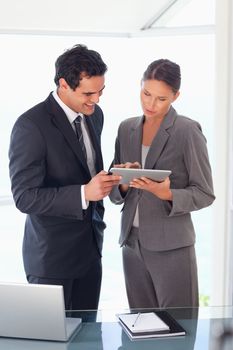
pixel 77 62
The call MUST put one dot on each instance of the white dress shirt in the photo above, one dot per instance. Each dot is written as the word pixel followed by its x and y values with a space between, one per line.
pixel 72 115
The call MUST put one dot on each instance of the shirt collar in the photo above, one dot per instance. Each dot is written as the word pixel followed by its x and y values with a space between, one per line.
pixel 71 115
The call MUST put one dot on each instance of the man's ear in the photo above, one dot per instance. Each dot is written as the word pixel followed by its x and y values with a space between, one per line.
pixel 63 84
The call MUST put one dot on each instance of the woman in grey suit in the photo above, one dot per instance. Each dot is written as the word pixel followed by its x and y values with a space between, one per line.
pixel 157 233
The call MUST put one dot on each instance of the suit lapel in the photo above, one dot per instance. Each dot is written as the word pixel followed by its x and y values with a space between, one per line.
pixel 160 139
pixel 62 123
pixel 156 148
pixel 136 141
pixel 95 143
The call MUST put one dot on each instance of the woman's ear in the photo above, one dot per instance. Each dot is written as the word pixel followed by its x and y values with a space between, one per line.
pixel 176 95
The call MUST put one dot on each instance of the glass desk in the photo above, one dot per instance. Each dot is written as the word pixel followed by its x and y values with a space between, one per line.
pixel 101 331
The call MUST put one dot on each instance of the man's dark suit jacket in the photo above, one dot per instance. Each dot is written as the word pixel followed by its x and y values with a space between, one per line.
pixel 47 169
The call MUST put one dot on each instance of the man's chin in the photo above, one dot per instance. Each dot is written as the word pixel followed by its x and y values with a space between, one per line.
pixel 89 111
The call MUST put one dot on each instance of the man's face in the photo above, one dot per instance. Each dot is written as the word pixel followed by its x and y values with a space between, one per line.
pixel 85 96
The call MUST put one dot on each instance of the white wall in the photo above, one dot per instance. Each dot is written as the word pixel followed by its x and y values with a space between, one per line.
pixel 222 240
pixel 27 70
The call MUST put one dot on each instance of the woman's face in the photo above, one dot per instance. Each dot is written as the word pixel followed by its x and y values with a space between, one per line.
pixel 156 98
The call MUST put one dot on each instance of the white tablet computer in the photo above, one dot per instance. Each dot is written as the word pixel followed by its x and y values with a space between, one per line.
pixel 128 174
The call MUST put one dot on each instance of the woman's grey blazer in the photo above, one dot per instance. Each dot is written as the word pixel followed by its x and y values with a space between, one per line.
pixel 180 147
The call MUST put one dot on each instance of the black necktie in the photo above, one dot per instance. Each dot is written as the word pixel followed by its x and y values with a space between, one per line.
pixel 77 123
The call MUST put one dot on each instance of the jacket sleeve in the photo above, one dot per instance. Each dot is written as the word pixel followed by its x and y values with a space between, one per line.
pixel 199 192
pixel 27 155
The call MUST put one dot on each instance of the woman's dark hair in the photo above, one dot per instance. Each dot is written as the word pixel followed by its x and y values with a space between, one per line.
pixel 76 62
pixel 166 71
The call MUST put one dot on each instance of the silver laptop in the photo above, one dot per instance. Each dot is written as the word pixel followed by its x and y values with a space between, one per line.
pixel 35 311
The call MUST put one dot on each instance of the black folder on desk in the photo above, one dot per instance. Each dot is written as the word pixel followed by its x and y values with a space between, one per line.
pixel 163 325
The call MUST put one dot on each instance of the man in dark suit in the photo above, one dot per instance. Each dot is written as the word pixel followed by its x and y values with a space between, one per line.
pixel 57 179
